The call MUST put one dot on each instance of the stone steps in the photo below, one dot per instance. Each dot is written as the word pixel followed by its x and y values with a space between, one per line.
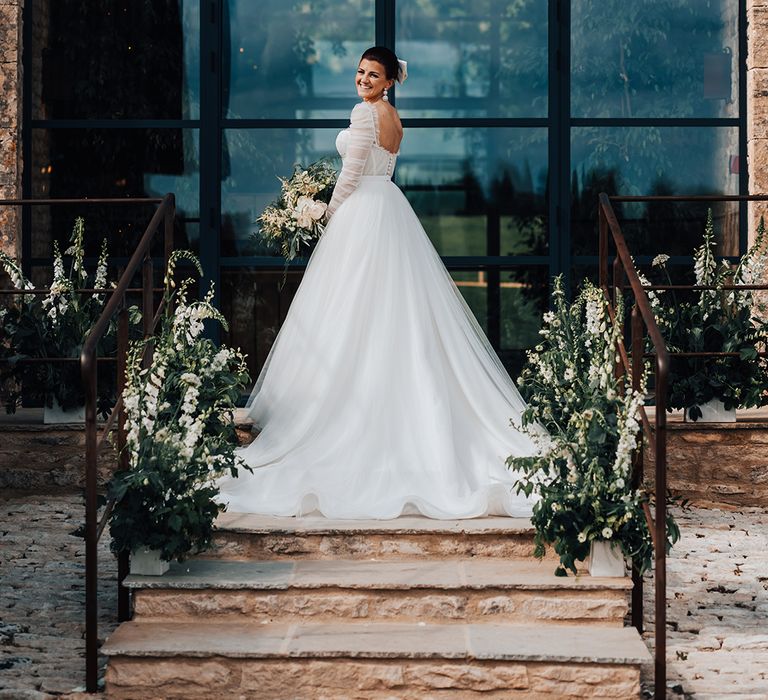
pixel 251 537
pixel 441 590
pixel 295 608
pixel 371 661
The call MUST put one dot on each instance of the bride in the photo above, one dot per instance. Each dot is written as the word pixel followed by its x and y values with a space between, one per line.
pixel 381 396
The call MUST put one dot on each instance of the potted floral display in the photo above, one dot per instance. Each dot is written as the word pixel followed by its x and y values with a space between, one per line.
pixel 55 325
pixel 180 434
pixel 584 423
pixel 716 320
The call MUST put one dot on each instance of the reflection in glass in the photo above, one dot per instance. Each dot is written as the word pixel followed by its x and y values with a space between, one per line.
pixel 478 191
pixel 473 58
pixel 253 159
pixel 658 58
pixel 115 60
pixel 293 60
pixel 255 307
pixel 113 163
pixel 653 161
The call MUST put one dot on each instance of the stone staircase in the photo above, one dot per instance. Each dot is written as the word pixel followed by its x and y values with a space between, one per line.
pixel 309 608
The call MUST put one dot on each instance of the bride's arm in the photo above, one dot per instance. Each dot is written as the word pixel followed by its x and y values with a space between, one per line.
pixel 362 133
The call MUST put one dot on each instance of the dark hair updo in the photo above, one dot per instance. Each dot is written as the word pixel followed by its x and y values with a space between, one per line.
pixel 387 58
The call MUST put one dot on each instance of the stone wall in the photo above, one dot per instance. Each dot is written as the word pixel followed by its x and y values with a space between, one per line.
pixel 10 122
pixel 757 105
pixel 716 465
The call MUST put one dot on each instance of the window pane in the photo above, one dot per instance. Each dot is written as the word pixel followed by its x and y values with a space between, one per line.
pixel 294 60
pixel 252 160
pixel 255 307
pixel 122 60
pixel 478 191
pixel 473 58
pixel 653 161
pixel 658 58
pixel 113 163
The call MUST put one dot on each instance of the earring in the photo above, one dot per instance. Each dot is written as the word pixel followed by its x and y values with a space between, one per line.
pixel 385 97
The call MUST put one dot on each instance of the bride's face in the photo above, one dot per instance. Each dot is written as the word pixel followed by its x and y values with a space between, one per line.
pixel 371 80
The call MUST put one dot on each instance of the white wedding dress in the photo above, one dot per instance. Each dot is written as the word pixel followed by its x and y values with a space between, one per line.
pixel 381 395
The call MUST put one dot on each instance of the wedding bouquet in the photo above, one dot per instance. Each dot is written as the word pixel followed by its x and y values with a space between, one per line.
pixel 296 220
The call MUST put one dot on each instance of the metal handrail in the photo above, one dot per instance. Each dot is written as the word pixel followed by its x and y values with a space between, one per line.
pixel 165 214
pixel 642 320
pixel 141 257
pixel 643 317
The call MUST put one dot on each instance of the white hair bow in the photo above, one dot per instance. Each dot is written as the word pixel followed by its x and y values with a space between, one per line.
pixel 402 71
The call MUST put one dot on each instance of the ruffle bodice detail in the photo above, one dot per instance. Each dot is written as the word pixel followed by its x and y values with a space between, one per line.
pixel 361 153
pixel 380 161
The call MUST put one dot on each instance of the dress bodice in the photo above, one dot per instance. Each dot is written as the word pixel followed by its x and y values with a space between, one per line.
pixel 380 161
pixel 361 153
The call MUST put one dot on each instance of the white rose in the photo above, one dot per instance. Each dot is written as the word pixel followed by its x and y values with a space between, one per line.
pixel 607 533
pixel 317 210
pixel 304 220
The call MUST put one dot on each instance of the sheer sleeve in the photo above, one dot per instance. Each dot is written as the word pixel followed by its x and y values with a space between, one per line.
pixel 362 135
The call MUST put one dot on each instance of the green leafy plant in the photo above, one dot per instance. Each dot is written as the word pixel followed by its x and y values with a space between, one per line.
pixel 584 423
pixel 716 320
pixel 55 325
pixel 180 429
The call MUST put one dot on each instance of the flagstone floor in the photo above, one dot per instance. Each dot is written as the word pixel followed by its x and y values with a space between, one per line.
pixel 718 602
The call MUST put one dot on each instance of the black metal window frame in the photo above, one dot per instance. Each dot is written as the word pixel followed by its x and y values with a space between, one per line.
pixel 559 123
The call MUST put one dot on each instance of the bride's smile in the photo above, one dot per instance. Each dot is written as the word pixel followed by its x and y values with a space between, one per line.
pixel 371 80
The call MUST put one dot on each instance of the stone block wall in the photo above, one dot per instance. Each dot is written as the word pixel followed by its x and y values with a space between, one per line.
pixel 10 122
pixel 757 105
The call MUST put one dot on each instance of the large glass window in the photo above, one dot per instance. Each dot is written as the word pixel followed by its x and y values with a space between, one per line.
pixel 657 58
pixel 293 60
pixel 652 161
pixel 517 113
pixel 473 58
pixel 115 60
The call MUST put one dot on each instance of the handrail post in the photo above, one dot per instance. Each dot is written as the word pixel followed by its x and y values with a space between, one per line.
pixel 603 249
pixel 123 594
pixel 88 370
pixel 170 216
pixel 662 369
pixel 637 459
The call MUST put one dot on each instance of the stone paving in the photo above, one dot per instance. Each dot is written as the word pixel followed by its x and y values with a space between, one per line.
pixel 718 602
pixel 42 597
pixel 717 612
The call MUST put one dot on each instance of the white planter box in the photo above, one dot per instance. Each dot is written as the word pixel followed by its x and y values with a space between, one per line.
pixel 147 562
pixel 714 412
pixel 55 414
pixel 606 559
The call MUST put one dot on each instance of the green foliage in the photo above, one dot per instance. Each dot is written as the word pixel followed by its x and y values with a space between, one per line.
pixel 584 424
pixel 55 325
pixel 717 320
pixel 180 430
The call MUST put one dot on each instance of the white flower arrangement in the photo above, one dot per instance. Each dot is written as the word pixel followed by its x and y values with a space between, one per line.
pixel 716 320
pixel 180 430
pixel 55 325
pixel 296 220
pixel 585 424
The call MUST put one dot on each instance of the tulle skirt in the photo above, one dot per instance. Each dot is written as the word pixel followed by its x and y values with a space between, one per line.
pixel 381 395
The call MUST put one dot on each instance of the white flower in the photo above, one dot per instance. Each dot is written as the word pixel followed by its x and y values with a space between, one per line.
pixel 582 537
pixel 607 533
pixel 660 260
